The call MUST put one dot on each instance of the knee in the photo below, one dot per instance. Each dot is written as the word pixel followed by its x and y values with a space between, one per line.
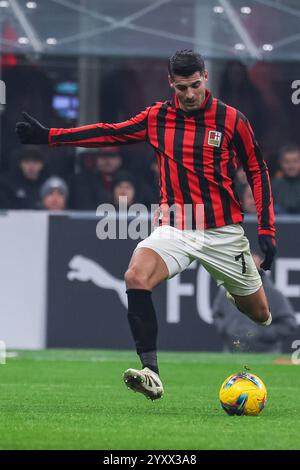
pixel 135 278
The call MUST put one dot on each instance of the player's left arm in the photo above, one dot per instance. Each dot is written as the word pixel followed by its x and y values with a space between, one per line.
pixel 257 173
pixel 132 130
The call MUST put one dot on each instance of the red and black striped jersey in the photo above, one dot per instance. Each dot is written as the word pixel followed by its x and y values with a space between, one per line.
pixel 197 153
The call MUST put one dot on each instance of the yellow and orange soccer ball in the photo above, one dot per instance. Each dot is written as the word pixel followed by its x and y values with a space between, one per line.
pixel 243 394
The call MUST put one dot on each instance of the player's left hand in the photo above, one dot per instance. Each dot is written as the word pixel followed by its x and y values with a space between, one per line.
pixel 267 245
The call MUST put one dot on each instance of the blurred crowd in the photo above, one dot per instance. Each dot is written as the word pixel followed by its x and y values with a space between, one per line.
pixel 102 178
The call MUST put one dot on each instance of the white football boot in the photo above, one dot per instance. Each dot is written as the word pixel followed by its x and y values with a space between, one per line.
pixel 144 381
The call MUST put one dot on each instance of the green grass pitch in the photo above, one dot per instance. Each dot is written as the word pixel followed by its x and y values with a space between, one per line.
pixel 76 399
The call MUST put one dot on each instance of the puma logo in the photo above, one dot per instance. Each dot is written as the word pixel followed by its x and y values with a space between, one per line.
pixel 84 269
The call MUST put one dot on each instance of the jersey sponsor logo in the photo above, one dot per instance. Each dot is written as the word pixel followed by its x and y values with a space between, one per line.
pixel 214 138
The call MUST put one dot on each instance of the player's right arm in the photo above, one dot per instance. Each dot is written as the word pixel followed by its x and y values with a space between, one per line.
pixel 94 135
pixel 257 173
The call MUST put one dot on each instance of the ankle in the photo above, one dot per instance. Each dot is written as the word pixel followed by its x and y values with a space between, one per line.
pixel 149 359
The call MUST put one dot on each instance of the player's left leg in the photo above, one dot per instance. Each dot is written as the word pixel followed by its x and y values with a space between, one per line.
pixel 226 256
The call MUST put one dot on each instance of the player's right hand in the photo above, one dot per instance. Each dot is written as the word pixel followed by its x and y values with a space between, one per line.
pixel 31 131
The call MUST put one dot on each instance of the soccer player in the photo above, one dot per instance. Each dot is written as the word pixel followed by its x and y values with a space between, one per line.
pixel 198 141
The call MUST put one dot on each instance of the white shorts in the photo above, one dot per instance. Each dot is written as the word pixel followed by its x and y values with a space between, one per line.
pixel 224 252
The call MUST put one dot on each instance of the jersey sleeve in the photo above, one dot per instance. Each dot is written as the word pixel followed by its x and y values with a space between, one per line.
pixel 102 134
pixel 249 154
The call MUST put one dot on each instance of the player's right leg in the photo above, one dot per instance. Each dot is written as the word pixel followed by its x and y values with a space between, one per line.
pixel 160 256
pixel 146 270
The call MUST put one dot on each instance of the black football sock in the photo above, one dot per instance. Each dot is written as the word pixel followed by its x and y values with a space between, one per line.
pixel 143 325
pixel 149 359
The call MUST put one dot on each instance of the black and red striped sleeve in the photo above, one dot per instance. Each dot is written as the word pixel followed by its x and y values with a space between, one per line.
pixel 257 173
pixel 101 134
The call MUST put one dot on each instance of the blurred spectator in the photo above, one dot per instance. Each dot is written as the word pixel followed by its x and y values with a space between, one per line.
pixel 239 333
pixel 93 187
pixel 124 185
pixel 20 187
pixel 108 162
pixel 286 188
pixel 248 202
pixel 237 90
pixel 54 194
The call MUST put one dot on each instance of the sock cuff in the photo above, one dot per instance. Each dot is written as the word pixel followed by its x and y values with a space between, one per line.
pixel 267 322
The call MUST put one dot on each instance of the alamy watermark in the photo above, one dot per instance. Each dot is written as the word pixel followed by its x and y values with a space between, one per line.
pixel 2 92
pixel 296 94
pixel 2 352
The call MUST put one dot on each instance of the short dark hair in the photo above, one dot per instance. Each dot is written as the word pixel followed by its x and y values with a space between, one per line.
pixel 185 63
pixel 31 153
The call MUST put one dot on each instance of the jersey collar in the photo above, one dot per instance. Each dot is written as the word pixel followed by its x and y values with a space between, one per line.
pixel 205 105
